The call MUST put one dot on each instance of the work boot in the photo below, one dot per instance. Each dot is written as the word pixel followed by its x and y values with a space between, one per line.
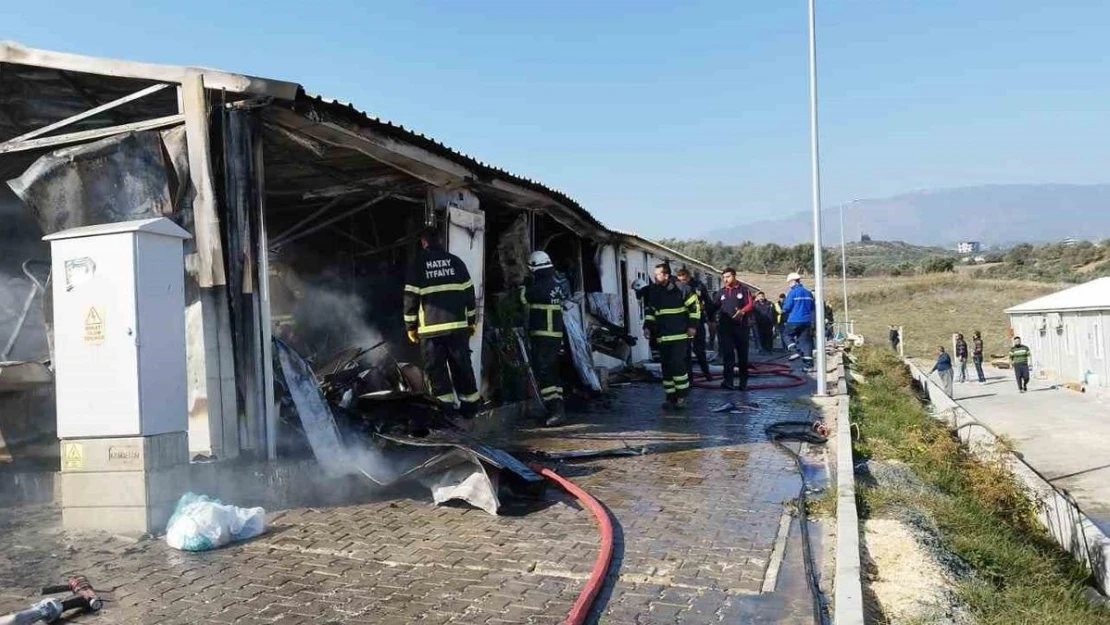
pixel 668 403
pixel 727 386
pixel 555 414
pixel 708 375
pixel 680 403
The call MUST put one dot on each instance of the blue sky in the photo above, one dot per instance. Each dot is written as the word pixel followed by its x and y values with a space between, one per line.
pixel 669 118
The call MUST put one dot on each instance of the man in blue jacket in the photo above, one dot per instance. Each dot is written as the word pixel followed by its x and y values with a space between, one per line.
pixel 799 307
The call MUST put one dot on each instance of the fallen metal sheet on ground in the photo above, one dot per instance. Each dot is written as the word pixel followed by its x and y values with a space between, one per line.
pixel 451 463
pixel 461 440
pixel 316 417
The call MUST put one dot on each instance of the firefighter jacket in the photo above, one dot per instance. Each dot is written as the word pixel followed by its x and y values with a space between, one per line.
pixel 543 300
pixel 439 296
pixel 704 300
pixel 670 310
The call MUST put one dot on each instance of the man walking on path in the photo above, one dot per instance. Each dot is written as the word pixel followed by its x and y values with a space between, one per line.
pixel 764 322
pixel 943 367
pixel 977 355
pixel 895 339
pixel 961 357
pixel 734 302
pixel 671 316
pixel 1019 360
pixel 800 309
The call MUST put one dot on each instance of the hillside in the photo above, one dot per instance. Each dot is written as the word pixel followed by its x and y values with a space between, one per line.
pixel 929 307
pixel 993 214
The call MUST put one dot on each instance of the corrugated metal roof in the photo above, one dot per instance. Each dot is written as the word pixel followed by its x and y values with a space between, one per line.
pixel 670 251
pixel 1093 295
pixel 482 170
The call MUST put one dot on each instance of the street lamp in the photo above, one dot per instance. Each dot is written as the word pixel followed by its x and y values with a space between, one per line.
pixel 844 264
pixel 818 270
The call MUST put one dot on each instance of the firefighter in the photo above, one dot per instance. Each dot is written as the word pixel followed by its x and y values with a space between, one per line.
pixel 440 314
pixel 543 298
pixel 671 316
pixel 734 302
pixel 697 345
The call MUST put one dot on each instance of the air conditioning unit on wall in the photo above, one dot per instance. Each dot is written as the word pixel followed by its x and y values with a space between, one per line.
pixel 1055 321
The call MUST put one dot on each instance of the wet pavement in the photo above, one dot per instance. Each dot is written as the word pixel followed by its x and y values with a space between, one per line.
pixel 697 523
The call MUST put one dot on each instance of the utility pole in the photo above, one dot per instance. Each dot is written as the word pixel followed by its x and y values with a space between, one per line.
pixel 818 270
pixel 844 264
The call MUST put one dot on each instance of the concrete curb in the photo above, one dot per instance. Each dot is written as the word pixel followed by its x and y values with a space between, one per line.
pixel 848 597
pixel 1057 511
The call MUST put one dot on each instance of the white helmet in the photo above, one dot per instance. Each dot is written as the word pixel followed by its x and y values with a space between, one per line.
pixel 539 260
pixel 638 284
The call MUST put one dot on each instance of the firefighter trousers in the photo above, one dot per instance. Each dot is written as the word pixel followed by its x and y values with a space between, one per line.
pixel 697 350
pixel 676 378
pixel 545 366
pixel 450 374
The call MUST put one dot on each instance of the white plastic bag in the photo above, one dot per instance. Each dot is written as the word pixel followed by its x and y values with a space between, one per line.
pixel 200 523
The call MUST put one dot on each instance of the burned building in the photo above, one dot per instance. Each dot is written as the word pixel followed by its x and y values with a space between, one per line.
pixel 304 213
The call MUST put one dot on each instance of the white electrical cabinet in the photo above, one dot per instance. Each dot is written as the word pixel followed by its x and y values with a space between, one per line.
pixel 119 329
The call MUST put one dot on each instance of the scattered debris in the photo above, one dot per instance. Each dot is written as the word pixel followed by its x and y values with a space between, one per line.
pixel 392 435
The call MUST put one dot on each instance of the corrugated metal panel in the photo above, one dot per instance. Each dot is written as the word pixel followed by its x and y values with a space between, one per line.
pixel 481 169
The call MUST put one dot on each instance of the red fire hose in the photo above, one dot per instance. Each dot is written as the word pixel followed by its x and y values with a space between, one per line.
pixel 581 608
pixel 761 368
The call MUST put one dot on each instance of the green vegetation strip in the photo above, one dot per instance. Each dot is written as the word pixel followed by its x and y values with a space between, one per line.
pixel 982 515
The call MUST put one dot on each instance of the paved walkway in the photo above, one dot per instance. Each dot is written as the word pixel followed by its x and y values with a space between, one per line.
pixel 1065 435
pixel 696 528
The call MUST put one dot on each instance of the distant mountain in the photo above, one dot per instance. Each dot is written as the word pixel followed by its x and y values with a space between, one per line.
pixel 992 214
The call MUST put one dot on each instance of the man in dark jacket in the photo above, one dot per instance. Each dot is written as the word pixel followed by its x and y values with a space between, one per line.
pixel 734 302
pixel 440 314
pixel 895 338
pixel 943 368
pixel 671 314
pixel 977 355
pixel 765 316
pixel 697 344
pixel 542 297
pixel 961 358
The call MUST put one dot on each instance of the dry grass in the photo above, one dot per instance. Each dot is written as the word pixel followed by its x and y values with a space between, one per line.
pixel 930 308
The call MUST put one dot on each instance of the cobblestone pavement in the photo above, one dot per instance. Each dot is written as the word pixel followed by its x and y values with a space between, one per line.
pixel 696 526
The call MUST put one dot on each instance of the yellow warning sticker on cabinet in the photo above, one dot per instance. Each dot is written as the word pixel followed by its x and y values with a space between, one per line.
pixel 73 457
pixel 94 326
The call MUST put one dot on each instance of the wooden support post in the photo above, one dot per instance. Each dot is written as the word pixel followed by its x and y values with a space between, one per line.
pixel 212 365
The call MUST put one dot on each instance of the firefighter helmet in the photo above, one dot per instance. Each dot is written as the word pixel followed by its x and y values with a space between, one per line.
pixel 539 260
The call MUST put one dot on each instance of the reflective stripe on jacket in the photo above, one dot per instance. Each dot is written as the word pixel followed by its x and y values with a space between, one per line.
pixel 439 296
pixel 543 299
pixel 670 310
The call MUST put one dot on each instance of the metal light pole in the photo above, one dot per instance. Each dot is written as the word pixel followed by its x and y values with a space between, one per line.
pixel 818 270
pixel 844 265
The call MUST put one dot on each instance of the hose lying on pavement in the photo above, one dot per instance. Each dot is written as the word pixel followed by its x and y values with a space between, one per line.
pixel 805 432
pixel 581 608
pixel 760 368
